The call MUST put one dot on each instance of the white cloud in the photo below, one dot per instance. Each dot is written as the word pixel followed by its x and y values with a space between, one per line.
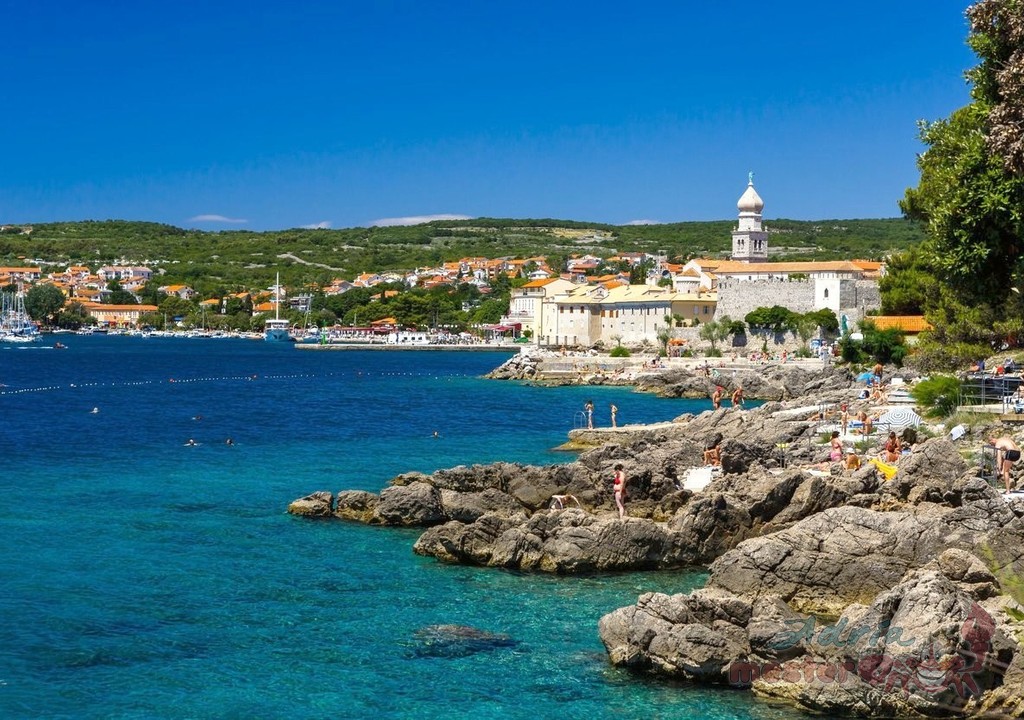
pixel 644 222
pixel 218 219
pixel 417 219
pixel 322 225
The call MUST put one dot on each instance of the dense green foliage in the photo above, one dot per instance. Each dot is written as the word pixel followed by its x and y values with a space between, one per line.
pixel 939 394
pixel 43 302
pixel 968 276
pixel 884 346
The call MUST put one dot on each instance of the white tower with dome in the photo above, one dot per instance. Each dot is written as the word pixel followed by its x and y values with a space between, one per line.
pixel 749 239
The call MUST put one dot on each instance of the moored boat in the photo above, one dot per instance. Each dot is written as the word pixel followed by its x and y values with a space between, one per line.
pixel 276 329
pixel 15 324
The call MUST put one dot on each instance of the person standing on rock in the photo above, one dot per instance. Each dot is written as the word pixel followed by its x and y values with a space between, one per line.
pixel 615 411
pixel 737 397
pixel 619 488
pixel 589 409
pixel 716 397
pixel 1007 453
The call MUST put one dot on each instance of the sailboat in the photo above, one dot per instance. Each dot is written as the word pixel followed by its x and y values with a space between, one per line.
pixel 276 329
pixel 15 324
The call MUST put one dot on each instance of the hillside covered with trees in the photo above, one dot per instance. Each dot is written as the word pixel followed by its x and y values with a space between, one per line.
pixel 238 259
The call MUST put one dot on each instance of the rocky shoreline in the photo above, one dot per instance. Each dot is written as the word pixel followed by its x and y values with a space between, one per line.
pixel 839 592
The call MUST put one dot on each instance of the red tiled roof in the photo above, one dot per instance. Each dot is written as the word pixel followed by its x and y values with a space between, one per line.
pixel 904 323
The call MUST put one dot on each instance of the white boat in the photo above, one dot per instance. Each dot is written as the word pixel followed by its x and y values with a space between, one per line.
pixel 276 329
pixel 15 324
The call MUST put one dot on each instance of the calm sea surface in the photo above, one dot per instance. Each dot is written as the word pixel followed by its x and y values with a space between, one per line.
pixel 142 578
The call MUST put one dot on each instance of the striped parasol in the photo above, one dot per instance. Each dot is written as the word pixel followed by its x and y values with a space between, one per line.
pixel 899 418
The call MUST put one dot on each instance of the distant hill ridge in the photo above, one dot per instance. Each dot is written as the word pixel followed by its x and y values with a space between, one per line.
pixel 246 257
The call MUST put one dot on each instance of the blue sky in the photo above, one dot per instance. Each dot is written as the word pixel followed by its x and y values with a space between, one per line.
pixel 270 114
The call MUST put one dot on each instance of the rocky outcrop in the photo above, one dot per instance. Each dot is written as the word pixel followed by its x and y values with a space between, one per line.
pixel 924 648
pixel 315 505
pixel 927 646
pixel 916 570
pixel 498 514
pixel 569 541
pixel 518 367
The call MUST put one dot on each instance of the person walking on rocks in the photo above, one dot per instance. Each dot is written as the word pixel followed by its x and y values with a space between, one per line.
pixel 619 488
pixel 737 397
pixel 716 397
pixel 1007 453
pixel 615 411
pixel 589 408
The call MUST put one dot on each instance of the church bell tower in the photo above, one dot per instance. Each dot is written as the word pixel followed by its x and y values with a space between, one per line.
pixel 749 239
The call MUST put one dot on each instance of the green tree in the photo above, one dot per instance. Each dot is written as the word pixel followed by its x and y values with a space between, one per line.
pixel 775 319
pixel 824 319
pixel 908 283
pixel 939 394
pixel 490 311
pixel 118 295
pixel 971 190
pixel 884 346
pixel 806 327
pixel 150 294
pixel 153 320
pixel 43 302
pixel 74 316
pixel 715 331
pixel 173 306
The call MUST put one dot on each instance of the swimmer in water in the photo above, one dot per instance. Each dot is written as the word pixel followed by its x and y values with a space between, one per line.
pixel 191 443
pixel 94 410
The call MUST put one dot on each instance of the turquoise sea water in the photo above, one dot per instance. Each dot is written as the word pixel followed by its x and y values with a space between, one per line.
pixel 146 579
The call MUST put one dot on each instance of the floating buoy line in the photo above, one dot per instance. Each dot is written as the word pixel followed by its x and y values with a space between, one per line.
pixel 5 390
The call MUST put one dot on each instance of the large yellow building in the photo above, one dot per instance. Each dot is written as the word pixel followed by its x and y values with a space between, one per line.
pixel 118 316
pixel 627 314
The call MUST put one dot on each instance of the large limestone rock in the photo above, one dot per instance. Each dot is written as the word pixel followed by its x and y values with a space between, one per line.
pixel 927 647
pixel 357 505
pixel 569 541
pixel 418 504
pixel 694 636
pixel 924 648
pixel 315 505
pixel 850 554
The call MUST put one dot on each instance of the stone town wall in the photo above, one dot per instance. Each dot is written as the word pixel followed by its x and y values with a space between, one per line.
pixel 736 298
pixel 858 296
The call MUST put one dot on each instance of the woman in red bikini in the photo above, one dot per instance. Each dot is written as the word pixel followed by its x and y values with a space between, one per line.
pixel 619 486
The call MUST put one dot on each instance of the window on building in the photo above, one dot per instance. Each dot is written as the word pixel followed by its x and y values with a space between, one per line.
pixel 826 293
pixel 705 309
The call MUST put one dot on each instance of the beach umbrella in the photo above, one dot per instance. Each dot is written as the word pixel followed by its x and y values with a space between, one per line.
pixel 899 418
